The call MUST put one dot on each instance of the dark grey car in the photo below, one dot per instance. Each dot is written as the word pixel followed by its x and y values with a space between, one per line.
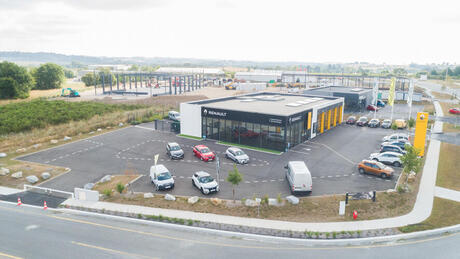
pixel 174 151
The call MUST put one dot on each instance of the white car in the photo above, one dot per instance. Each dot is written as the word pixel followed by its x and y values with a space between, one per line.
pixel 173 115
pixel 396 136
pixel 161 177
pixel 204 182
pixel 236 155
pixel 391 158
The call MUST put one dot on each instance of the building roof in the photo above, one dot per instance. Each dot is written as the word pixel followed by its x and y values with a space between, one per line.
pixel 340 89
pixel 260 73
pixel 269 103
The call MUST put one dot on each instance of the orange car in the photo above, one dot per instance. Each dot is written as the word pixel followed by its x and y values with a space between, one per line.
pixel 376 168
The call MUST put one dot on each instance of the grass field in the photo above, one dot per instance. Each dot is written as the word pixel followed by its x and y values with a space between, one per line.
pixel 449 165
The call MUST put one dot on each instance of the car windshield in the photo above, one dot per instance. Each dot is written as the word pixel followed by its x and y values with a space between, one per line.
pixel 204 150
pixel 164 176
pixel 239 153
pixel 175 148
pixel 387 121
pixel 363 119
pixel 205 179
pixel 380 165
pixel 352 118
pixel 374 121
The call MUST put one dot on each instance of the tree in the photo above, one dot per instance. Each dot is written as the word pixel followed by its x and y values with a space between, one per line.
pixel 411 123
pixel 15 81
pixel 88 79
pixel 457 71
pixel 134 67
pixel 234 177
pixel 69 73
pixel 411 161
pixel 49 76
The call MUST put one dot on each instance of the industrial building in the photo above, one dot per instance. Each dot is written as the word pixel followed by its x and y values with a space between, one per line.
pixel 355 98
pixel 267 120
pixel 259 76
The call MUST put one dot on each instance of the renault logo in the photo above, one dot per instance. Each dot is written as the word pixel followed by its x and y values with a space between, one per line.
pixel 422 116
pixel 205 111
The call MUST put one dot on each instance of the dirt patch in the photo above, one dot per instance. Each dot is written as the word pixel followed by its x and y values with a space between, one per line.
pixel 429 108
pixel 112 184
pixel 27 169
pixel 168 101
pixel 442 95
pixel 447 127
pixel 448 167
pixel 446 107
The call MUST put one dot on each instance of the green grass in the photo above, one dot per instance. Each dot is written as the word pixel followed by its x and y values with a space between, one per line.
pixel 250 147
pixel 25 116
pixel 191 137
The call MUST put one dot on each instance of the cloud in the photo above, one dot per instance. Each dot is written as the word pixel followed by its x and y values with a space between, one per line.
pixel 87 4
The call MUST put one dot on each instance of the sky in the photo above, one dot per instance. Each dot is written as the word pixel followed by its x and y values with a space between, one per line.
pixel 338 31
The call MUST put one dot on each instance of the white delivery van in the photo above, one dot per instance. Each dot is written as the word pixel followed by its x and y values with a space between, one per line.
pixel 173 115
pixel 298 177
pixel 161 177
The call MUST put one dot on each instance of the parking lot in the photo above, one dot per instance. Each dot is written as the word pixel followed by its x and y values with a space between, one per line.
pixel 331 157
pixel 400 111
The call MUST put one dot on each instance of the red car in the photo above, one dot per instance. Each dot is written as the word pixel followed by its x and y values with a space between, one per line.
pixel 454 110
pixel 203 153
pixel 371 107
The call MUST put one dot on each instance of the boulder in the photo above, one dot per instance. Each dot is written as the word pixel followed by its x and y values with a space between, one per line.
pixel 4 171
pixel 21 150
pixel 32 179
pixel 216 201
pixel 66 138
pixel 148 195
pixel 105 179
pixel 170 197
pixel 292 199
pixel 193 200
pixel 37 146
pixel 250 203
pixel 54 141
pixel 88 186
pixel 120 124
pixel 2 155
pixel 91 132
pixel 99 129
pixel 273 202
pixel 17 175
pixel 45 175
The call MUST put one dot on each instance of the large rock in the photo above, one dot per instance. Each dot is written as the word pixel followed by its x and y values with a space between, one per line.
pixel 4 171
pixel 273 202
pixel 54 141
pixel 32 179
pixel 99 129
pixel 216 201
pixel 251 203
pixel 17 175
pixel 88 186
pixel 170 197
pixel 105 179
pixel 2 155
pixel 45 175
pixel 193 200
pixel 37 146
pixel 66 138
pixel 292 199
pixel 120 124
pixel 21 150
pixel 411 177
pixel 148 195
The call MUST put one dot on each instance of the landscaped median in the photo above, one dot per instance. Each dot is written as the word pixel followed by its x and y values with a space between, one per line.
pixel 271 151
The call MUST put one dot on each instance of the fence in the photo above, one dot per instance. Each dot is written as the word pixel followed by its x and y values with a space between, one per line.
pixel 167 126
pixel 48 191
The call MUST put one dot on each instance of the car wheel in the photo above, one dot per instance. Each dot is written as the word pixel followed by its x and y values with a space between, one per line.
pixel 226 156
pixel 202 191
pixel 193 182
pixel 397 164
pixel 361 171
pixel 157 188
pixel 383 175
pixel 375 159
pixel 201 158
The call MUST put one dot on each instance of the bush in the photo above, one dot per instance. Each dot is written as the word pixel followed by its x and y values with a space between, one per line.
pixel 394 126
pixel 15 81
pixel 400 189
pixel 49 76
pixel 120 187
pixel 107 192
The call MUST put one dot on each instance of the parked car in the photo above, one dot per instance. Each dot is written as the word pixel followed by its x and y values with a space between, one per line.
pixel 203 153
pixel 351 120
pixel 161 177
pixel 391 158
pixel 374 123
pixel 174 151
pixel 386 124
pixel 362 121
pixel 237 155
pixel 204 182
pixel 400 143
pixel 380 103
pixel 401 124
pixel 298 177
pixel 375 168
pixel 372 107
pixel 173 115
pixel 392 148
pixel 395 136
pixel 454 110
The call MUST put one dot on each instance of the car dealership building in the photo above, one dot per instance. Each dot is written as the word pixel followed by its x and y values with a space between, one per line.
pixel 267 120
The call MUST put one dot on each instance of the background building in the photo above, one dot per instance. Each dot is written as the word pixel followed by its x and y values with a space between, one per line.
pixel 355 98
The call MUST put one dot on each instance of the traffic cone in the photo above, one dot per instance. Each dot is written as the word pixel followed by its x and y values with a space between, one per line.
pixel 355 215
pixel 44 205
pixel 19 201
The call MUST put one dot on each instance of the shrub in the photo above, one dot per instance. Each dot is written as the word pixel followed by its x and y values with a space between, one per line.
pixel 394 126
pixel 190 222
pixel 107 192
pixel 279 199
pixel 265 199
pixel 120 187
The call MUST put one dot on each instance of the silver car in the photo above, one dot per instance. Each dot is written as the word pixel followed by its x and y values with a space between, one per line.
pixel 237 155
pixel 204 182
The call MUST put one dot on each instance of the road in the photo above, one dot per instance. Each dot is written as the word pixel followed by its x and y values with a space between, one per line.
pixel 438 88
pixel 34 233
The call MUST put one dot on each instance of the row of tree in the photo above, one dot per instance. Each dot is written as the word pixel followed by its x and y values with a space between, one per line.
pixel 17 81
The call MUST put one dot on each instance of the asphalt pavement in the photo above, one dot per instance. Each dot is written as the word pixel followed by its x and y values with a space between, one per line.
pixel 34 233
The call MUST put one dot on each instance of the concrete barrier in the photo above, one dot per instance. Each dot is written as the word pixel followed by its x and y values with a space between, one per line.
pixel 86 195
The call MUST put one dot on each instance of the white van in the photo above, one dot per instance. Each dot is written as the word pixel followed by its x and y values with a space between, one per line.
pixel 298 177
pixel 173 115
pixel 161 177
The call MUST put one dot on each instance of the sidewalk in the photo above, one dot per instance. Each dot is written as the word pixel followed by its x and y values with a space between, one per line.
pixel 420 212
pixel 8 191
pixel 447 194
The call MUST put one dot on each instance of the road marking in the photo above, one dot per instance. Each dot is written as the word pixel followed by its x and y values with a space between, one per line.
pixel 299 152
pixel 247 182
pixel 329 176
pixel 338 175
pixel 9 256
pixel 255 181
pixel 337 153
pixel 31 227
pixel 110 250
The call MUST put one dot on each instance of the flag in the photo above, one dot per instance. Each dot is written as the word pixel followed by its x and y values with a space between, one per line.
pixel 411 92
pixel 391 96
pixel 375 91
